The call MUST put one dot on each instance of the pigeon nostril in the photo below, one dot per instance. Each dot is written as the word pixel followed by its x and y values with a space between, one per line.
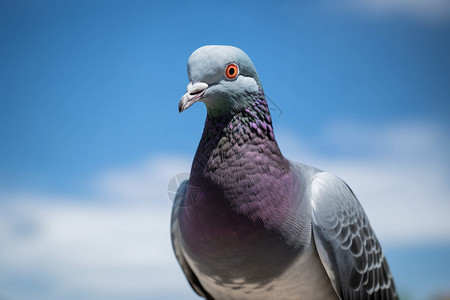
pixel 195 92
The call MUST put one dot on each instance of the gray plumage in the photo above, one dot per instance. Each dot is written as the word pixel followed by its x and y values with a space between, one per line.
pixel 249 224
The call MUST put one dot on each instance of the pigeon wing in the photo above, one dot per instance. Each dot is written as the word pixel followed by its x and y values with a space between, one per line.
pixel 346 243
pixel 178 205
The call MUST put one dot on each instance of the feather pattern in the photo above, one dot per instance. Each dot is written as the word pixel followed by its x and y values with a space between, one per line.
pixel 346 242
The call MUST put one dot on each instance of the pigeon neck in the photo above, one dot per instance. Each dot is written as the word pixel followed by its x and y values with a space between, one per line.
pixel 237 136
pixel 238 153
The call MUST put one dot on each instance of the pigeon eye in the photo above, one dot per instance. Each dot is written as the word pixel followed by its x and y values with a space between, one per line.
pixel 232 71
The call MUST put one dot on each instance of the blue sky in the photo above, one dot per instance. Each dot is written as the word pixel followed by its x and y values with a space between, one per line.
pixel 88 112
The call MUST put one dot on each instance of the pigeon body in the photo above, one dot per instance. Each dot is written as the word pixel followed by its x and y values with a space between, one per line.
pixel 250 224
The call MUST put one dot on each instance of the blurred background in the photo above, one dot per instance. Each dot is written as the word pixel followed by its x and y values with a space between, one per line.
pixel 90 133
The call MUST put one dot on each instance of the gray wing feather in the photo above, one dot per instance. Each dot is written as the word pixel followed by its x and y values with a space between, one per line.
pixel 176 244
pixel 346 243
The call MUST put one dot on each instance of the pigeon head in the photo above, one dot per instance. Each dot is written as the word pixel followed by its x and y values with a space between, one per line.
pixel 222 77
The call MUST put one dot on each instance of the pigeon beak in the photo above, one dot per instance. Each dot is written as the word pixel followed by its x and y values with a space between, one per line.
pixel 194 93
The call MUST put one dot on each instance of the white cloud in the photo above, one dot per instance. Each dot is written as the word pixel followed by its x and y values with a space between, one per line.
pixel 399 173
pixel 142 182
pixel 115 243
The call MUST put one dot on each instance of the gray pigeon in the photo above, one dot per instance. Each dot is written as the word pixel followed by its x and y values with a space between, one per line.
pixel 250 224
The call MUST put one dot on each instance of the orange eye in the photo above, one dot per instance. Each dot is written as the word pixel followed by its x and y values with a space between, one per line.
pixel 232 71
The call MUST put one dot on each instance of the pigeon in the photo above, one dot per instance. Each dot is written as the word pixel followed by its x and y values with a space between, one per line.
pixel 249 223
